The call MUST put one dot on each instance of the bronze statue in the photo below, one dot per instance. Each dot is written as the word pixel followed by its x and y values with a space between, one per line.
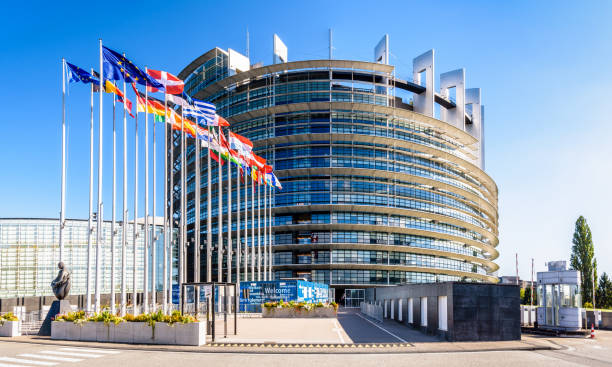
pixel 61 284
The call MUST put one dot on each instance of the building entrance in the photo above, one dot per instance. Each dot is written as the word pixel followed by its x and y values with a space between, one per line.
pixel 353 297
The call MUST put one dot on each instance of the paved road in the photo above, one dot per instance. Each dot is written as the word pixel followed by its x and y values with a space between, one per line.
pixel 575 352
pixel 20 354
pixel 362 330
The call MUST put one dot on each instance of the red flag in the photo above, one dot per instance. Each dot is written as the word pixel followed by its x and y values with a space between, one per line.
pixel 128 104
pixel 220 121
pixel 258 161
pixel 172 84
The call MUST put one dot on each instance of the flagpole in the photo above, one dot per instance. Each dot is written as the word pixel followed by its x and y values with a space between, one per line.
pixel 229 216
pixel 182 218
pixel 145 295
pixel 220 212
pixel 154 235
pixel 90 223
pixel 258 231
pixel 246 225
pixel 170 170
pixel 63 183
pixel 270 238
pixel 135 229
pixel 196 228
pixel 100 202
pixel 252 227
pixel 165 208
pixel 265 226
pixel 238 245
pixel 114 218
pixel 209 214
pixel 125 224
pixel 183 196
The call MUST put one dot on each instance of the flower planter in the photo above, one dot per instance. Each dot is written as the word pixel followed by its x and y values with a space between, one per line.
pixel 291 312
pixel 131 332
pixel 123 333
pixel 10 328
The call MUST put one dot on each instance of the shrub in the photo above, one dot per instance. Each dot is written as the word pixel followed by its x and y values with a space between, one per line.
pixel 107 317
pixel 307 306
pixel 76 317
pixel 9 316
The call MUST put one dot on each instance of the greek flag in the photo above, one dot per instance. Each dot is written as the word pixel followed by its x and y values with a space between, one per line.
pixel 204 112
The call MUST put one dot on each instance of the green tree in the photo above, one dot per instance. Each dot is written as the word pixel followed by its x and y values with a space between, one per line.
pixel 583 258
pixel 603 295
pixel 526 297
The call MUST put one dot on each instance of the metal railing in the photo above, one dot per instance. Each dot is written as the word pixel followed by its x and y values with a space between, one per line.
pixel 213 300
pixel 372 310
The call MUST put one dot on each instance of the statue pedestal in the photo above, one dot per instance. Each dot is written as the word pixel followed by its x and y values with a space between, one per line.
pixel 57 307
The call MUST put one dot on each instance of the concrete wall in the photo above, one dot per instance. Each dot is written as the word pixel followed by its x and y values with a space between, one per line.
pixel 606 320
pixel 475 311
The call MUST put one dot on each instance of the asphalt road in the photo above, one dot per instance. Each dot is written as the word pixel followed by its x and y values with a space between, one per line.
pixel 574 352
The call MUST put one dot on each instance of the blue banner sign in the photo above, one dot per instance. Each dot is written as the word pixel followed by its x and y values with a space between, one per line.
pixel 256 293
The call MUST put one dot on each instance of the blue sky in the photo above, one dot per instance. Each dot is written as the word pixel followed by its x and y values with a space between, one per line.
pixel 543 68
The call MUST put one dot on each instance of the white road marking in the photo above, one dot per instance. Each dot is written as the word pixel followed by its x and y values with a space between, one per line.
pixel 383 329
pixel 51 358
pixel 13 365
pixel 27 361
pixel 103 351
pixel 74 354
pixel 337 330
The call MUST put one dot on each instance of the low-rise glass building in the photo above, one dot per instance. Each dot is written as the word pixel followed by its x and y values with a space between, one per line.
pixel 29 253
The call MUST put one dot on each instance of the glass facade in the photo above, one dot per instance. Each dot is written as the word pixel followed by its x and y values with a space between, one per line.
pixel 373 193
pixel 29 253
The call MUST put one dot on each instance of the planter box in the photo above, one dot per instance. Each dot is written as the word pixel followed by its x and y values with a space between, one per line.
pixel 10 328
pixel 281 312
pixel 131 332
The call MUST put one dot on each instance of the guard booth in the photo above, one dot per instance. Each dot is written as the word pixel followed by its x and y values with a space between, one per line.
pixel 214 302
pixel 559 298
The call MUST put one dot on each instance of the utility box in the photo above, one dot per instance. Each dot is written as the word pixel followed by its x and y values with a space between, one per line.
pixel 559 298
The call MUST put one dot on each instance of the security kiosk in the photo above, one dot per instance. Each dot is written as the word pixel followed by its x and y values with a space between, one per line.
pixel 559 298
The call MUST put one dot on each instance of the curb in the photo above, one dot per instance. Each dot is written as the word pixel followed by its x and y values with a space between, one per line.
pixel 273 348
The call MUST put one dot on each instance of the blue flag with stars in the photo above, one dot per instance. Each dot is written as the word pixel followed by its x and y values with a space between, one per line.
pixel 76 74
pixel 118 67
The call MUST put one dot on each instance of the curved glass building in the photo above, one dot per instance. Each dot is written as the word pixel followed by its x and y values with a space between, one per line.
pixel 383 177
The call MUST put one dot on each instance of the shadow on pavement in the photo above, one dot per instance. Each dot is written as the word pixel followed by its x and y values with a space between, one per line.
pixel 362 330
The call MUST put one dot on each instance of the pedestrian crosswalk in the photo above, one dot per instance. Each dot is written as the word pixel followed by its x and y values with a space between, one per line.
pixel 54 357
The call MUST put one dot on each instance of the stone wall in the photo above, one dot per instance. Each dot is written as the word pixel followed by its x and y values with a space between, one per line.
pixel 475 311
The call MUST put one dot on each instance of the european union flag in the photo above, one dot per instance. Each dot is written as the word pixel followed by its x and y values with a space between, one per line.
pixel 118 67
pixel 76 74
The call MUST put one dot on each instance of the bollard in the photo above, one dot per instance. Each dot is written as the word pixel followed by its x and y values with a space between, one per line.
pixel 592 331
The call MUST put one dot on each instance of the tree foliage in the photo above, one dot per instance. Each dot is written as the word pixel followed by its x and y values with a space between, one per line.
pixel 526 296
pixel 583 258
pixel 603 295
